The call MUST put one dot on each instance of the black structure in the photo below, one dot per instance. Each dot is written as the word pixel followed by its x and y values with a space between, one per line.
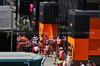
pixel 16 10
pixel 5 41
pixel 92 6
pixel 78 24
pixel 48 12
pixel 80 4
pixel 24 7
pixel 65 5
pixel 1 2
pixel 99 12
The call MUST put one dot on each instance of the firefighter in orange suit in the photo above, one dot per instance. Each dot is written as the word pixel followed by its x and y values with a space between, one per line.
pixel 59 43
pixel 61 53
pixel 41 45
pixel 45 39
pixel 54 42
pixel 51 42
pixel 47 47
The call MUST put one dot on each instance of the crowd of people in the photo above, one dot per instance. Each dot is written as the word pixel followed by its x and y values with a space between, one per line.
pixel 53 47
pixel 88 64
pixel 25 24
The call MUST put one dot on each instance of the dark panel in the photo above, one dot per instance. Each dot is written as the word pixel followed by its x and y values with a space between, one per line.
pixel 24 7
pixel 1 2
pixel 41 16
pixel 71 19
pixel 77 63
pixel 99 12
pixel 48 13
pixel 71 30
pixel 94 14
pixel 54 0
pixel 76 4
pixel 81 4
pixel 95 59
pixel 62 8
pixel 55 9
pixel 5 41
pixel 92 6
pixel 37 9
pixel 80 25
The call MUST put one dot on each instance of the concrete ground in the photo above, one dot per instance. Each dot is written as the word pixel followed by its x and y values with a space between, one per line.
pixel 49 61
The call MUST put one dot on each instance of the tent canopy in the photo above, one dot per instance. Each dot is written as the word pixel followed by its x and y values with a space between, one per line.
pixel 5 19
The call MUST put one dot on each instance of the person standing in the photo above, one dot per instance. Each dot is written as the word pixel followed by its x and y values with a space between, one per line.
pixel 34 42
pixel 40 44
pixel 21 19
pixel 69 59
pixel 28 23
pixel 45 39
pixel 55 56
pixel 36 38
pixel 59 42
pixel 88 64
pixel 94 64
pixel 65 63
pixel 54 43
pixel 24 22
pixel 47 47
pixel 35 49
pixel 81 64
pixel 61 53
pixel 51 45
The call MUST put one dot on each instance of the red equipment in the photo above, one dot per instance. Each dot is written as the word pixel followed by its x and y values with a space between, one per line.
pixel 24 45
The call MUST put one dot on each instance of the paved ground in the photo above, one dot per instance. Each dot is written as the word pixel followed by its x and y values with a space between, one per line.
pixel 49 61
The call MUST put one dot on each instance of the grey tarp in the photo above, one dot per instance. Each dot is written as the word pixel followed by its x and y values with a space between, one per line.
pixel 5 18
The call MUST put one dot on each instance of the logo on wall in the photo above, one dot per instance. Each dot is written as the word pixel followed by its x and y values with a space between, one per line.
pixel 41 13
pixel 71 25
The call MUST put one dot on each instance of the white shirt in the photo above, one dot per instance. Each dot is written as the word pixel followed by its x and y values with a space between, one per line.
pixel 36 48
pixel 28 21
pixel 36 38
pixel 34 42
pixel 67 63
pixel 82 65
pixel 24 21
